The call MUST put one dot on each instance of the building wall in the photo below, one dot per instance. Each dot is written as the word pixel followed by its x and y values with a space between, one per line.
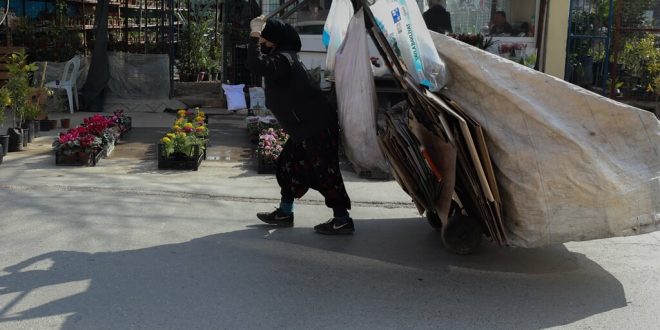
pixel 556 37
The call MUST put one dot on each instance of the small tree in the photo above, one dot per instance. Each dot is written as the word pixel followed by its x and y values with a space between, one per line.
pixel 5 101
pixel 18 84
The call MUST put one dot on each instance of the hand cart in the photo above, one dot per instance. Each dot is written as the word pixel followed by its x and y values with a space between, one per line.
pixel 439 157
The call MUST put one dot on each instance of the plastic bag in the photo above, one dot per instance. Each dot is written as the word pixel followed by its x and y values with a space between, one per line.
pixel 356 99
pixel 335 28
pixel 257 98
pixel 235 97
pixel 403 25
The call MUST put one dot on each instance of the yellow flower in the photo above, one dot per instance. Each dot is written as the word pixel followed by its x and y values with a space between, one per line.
pixel 182 134
pixel 188 126
pixel 199 119
pixel 170 135
pixel 166 140
pixel 176 128
pixel 181 112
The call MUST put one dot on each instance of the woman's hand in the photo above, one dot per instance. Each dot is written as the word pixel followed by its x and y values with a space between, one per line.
pixel 257 25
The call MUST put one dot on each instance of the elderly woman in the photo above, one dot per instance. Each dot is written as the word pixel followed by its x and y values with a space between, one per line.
pixel 309 158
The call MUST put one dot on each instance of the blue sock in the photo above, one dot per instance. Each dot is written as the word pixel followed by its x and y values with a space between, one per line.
pixel 286 207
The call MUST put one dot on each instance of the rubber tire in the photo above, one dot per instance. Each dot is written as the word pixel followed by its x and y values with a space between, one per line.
pixel 462 235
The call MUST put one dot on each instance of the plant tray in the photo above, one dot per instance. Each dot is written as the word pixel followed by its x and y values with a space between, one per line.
pixel 179 164
pixel 129 126
pixel 109 149
pixel 78 159
pixel 264 165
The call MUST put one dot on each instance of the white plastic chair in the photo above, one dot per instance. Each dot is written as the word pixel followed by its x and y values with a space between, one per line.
pixel 68 82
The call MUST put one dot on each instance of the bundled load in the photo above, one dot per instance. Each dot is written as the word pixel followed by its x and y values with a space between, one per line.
pixel 572 165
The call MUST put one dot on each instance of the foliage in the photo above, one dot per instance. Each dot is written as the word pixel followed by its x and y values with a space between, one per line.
pixel 271 143
pixel 215 57
pixel 90 137
pixel 189 133
pixel 476 40
pixel 634 12
pixel 78 139
pixel 5 101
pixel 32 111
pixel 195 52
pixel 18 84
pixel 641 57
pixel 55 43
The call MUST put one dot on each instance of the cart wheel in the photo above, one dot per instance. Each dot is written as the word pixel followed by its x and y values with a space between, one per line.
pixel 434 220
pixel 462 234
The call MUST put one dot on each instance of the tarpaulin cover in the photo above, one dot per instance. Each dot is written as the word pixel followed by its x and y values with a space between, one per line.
pixel 571 165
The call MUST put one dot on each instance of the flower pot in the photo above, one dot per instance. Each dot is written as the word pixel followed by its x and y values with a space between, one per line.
pixel 43 125
pixel 25 137
pixel 65 122
pixel 29 127
pixel 15 139
pixel 4 140
pixel 37 128
pixel 78 158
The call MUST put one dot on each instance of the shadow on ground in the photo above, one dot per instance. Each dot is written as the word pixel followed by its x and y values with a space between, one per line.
pixel 292 278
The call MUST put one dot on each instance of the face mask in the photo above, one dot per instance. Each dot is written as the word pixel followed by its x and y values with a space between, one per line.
pixel 265 49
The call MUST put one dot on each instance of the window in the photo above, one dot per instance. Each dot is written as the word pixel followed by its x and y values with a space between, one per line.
pixel 514 18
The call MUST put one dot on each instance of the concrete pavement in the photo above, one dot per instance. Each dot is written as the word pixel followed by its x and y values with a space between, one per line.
pixel 125 246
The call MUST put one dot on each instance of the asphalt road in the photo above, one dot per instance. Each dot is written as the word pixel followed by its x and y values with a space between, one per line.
pixel 123 246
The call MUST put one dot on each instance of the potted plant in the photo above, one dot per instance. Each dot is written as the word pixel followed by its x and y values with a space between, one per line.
pixel 78 146
pixel 5 101
pixel 215 60
pixel 271 144
pixel 214 69
pixel 31 112
pixel 19 87
pixel 184 147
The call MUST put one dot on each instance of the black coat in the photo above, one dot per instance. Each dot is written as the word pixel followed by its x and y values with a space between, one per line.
pixel 299 106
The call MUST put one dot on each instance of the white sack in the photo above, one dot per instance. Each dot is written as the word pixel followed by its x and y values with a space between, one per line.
pixel 235 97
pixel 334 30
pixel 356 99
pixel 257 98
pixel 403 25
pixel 571 165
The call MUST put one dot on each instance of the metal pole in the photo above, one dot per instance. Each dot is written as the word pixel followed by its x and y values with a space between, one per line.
pixel 225 39
pixel 568 40
pixel 615 45
pixel 606 61
pixel 170 39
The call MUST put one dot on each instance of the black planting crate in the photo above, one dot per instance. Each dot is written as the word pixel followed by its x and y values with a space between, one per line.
pixel 182 163
pixel 78 159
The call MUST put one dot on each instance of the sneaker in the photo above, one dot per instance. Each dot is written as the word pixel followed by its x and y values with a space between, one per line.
pixel 276 217
pixel 336 226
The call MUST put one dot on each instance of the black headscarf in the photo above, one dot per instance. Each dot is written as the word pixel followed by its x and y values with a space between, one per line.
pixel 283 35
